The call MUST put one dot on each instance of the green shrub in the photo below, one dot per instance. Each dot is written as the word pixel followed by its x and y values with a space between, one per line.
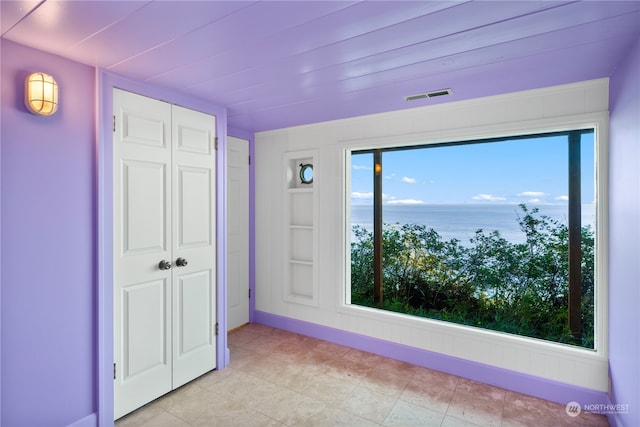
pixel 518 288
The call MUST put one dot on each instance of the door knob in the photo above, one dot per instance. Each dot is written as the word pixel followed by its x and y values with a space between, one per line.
pixel 181 262
pixel 164 265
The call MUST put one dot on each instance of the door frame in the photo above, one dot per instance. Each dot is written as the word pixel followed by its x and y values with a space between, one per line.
pixel 105 83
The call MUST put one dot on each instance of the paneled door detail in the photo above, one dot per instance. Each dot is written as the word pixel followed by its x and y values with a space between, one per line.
pixel 142 238
pixel 194 345
pixel 164 248
pixel 237 232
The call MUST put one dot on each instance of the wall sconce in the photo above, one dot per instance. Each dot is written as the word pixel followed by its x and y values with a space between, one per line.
pixel 41 94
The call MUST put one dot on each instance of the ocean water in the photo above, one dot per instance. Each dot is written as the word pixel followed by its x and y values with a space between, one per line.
pixel 460 221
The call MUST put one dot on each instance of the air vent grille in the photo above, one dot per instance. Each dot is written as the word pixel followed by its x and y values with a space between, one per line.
pixel 416 97
pixel 432 94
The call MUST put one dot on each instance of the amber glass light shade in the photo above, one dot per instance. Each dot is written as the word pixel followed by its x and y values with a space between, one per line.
pixel 41 94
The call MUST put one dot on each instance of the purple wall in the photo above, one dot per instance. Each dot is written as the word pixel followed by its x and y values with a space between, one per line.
pixel 48 260
pixel 624 237
pixel 49 237
pixel 55 282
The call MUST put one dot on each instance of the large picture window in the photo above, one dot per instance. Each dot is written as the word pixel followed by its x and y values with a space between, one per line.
pixel 494 233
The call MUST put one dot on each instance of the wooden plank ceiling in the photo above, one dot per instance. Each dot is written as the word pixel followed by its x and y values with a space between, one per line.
pixel 275 64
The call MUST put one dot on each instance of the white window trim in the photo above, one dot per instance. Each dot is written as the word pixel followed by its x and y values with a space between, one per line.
pixel 599 122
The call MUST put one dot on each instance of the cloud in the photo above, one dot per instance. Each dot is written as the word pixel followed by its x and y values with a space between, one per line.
pixel 361 168
pixel 369 195
pixel 531 194
pixel 488 197
pixel 358 195
pixel 405 202
pixel 563 198
pixel 408 180
pixel 534 201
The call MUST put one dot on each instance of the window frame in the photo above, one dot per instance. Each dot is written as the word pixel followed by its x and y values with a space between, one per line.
pixel 598 122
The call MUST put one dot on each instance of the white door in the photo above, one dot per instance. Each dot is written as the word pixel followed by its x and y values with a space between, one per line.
pixel 161 315
pixel 237 232
pixel 194 292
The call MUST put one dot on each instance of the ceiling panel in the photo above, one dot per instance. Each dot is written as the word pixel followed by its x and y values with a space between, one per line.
pixel 479 47
pixel 152 25
pixel 469 83
pixel 358 19
pixel 11 12
pixel 433 57
pixel 56 26
pixel 228 35
pixel 321 67
pixel 369 45
pixel 285 63
pixel 266 96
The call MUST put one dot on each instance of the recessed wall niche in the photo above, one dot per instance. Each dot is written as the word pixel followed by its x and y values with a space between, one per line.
pixel 300 172
pixel 300 239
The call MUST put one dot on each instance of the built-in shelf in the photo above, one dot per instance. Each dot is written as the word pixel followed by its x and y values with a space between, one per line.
pixel 300 284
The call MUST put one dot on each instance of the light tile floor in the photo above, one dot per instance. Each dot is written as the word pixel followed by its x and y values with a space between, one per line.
pixel 278 378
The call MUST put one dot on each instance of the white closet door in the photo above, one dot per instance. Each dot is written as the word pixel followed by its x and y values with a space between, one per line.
pixel 164 211
pixel 237 232
pixel 194 292
pixel 142 238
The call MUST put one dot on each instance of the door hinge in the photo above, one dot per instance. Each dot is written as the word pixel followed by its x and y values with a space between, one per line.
pixel 114 371
pixel 249 159
pixel 114 122
pixel 217 328
pixel 216 143
pixel 249 293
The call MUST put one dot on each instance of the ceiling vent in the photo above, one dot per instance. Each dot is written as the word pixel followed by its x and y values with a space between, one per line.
pixel 432 94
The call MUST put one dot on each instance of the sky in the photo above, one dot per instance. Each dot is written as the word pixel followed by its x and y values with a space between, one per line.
pixel 532 171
